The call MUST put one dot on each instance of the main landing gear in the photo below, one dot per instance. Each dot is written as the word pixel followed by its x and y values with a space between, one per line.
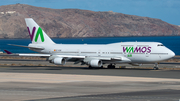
pixel 90 67
pixel 156 66
pixel 111 66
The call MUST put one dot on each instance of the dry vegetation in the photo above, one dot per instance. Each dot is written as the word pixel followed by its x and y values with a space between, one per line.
pixel 79 23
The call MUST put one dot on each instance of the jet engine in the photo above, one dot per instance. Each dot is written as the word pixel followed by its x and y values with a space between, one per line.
pixel 95 63
pixel 59 61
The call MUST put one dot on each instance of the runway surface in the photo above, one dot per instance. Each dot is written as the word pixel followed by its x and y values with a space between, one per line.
pixel 52 83
pixel 85 71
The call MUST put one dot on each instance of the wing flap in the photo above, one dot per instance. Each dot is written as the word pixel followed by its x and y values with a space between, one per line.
pixel 70 56
pixel 106 58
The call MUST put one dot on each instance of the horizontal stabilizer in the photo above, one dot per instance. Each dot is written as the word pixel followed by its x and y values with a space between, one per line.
pixel 8 52
pixel 39 48
pixel 38 55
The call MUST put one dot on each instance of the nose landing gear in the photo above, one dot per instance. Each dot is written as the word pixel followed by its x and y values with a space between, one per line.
pixel 156 66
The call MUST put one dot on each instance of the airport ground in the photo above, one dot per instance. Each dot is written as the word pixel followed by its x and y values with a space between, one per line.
pixel 35 79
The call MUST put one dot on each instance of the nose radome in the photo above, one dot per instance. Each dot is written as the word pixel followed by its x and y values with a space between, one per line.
pixel 172 54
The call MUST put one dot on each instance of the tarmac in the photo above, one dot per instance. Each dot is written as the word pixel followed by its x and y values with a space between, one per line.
pixel 38 80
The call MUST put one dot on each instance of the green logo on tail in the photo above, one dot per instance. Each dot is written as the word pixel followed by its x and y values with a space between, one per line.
pixel 39 32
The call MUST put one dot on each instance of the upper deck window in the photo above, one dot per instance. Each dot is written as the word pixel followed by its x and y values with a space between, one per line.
pixel 160 45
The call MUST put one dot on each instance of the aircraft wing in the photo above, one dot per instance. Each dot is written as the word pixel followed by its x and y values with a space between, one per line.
pixel 104 58
pixel 70 56
pixel 75 58
pixel 42 55
pixel 67 56
pixel 48 55
pixel 88 57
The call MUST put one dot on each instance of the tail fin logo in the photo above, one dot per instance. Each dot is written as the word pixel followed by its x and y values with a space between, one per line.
pixel 38 33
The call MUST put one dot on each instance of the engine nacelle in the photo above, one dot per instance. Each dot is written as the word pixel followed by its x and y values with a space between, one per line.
pixel 95 63
pixel 59 61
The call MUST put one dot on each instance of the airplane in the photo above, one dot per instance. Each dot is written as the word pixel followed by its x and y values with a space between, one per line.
pixel 95 56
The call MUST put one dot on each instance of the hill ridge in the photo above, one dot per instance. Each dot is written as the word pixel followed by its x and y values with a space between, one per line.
pixel 80 23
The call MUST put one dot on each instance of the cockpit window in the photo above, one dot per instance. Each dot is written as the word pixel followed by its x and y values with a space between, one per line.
pixel 160 45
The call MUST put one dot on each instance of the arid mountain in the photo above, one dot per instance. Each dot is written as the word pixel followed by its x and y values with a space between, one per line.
pixel 79 23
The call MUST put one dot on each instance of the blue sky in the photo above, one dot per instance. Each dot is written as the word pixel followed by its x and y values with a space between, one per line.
pixel 166 10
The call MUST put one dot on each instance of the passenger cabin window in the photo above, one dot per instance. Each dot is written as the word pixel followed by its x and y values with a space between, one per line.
pixel 160 45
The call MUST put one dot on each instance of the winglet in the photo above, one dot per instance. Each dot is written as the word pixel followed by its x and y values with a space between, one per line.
pixel 8 52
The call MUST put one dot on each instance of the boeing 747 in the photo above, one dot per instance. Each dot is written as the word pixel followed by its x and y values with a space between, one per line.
pixel 133 53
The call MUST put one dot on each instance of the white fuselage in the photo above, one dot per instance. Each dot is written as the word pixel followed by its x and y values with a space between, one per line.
pixel 136 52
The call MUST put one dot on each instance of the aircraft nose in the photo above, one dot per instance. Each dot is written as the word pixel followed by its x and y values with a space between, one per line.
pixel 171 54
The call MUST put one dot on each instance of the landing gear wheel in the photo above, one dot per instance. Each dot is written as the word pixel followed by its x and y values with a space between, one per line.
pixel 90 67
pixel 155 68
pixel 111 66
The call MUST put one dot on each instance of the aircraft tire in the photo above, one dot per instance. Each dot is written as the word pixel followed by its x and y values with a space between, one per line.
pixel 90 67
pixel 111 66
pixel 101 67
pixel 155 68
